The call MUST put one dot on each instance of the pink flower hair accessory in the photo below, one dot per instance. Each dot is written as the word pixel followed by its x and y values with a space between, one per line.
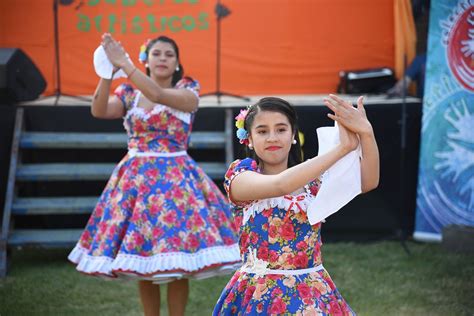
pixel 241 133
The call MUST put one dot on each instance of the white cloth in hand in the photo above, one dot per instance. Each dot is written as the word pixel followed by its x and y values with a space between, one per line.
pixel 340 183
pixel 103 67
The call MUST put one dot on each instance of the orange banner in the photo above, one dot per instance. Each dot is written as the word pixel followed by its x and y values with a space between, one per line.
pixel 405 36
pixel 267 46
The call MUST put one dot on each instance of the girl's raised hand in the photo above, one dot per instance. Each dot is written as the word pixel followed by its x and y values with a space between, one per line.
pixel 114 50
pixel 354 119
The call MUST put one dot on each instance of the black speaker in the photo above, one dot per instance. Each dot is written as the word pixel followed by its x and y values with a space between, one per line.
pixel 376 80
pixel 20 79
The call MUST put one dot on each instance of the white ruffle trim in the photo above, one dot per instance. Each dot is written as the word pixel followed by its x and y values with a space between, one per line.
pixel 296 203
pixel 190 263
pixel 143 114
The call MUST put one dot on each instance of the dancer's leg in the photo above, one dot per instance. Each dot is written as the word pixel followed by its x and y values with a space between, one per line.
pixel 178 292
pixel 150 297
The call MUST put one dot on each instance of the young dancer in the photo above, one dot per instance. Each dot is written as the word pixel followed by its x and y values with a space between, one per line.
pixel 270 192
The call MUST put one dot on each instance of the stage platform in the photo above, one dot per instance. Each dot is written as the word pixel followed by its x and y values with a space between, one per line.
pixel 225 101
pixel 375 215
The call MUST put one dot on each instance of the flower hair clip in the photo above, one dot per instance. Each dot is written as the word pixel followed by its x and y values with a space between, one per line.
pixel 142 57
pixel 242 134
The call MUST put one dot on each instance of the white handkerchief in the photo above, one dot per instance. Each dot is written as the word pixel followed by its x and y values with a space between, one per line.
pixel 340 183
pixel 103 67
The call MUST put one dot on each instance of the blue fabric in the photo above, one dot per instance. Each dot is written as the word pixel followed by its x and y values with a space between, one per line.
pixel 416 72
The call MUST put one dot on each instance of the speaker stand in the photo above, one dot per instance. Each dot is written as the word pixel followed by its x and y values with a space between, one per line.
pixel 402 230
pixel 57 91
pixel 221 12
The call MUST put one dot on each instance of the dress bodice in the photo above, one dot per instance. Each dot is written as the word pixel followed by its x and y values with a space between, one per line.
pixel 277 230
pixel 160 129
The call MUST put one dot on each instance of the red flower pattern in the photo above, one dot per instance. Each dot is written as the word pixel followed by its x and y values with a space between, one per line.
pixel 285 240
pixel 148 202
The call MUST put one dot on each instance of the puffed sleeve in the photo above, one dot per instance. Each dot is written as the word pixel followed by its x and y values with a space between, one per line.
pixel 313 187
pixel 126 94
pixel 236 168
pixel 190 84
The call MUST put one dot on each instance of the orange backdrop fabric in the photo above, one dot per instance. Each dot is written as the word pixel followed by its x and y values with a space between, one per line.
pixel 268 46
pixel 405 36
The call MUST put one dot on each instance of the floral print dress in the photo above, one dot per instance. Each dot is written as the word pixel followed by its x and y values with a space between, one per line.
pixel 160 217
pixel 282 272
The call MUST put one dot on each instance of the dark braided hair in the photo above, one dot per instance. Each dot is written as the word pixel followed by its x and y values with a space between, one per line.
pixel 273 104
pixel 178 74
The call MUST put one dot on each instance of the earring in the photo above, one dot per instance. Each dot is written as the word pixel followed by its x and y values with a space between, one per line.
pixel 294 142
pixel 177 68
pixel 250 146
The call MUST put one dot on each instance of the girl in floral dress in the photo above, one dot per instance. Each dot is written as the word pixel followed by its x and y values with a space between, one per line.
pixel 160 219
pixel 282 272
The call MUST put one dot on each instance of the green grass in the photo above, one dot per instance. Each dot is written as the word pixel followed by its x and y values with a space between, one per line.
pixel 376 279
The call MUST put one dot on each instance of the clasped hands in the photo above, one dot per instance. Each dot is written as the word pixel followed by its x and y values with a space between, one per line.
pixel 114 51
pixel 352 121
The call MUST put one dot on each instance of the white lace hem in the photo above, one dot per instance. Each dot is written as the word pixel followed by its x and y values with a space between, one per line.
pixel 296 203
pixel 190 263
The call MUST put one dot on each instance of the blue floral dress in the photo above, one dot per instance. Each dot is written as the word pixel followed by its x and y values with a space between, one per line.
pixel 282 272
pixel 160 217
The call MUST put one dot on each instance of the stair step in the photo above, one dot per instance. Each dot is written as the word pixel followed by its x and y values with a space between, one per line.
pixel 90 171
pixel 206 140
pixel 64 171
pixel 44 237
pixel 35 140
pixel 215 170
pixel 54 205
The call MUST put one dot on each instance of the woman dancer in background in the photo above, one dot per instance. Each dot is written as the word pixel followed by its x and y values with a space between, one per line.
pixel 160 219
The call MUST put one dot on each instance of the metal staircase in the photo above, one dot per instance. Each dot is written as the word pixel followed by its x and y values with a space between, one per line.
pixel 26 172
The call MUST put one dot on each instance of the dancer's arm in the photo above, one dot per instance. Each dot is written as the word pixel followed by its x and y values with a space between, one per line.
pixel 252 185
pixel 105 106
pixel 369 164
pixel 355 119
pixel 180 99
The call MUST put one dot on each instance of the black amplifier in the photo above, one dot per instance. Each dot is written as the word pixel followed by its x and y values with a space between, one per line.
pixel 375 80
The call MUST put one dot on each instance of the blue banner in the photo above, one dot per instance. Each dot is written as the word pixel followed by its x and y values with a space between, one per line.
pixel 445 192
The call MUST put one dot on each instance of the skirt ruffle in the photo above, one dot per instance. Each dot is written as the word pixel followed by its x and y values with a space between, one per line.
pixel 159 219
